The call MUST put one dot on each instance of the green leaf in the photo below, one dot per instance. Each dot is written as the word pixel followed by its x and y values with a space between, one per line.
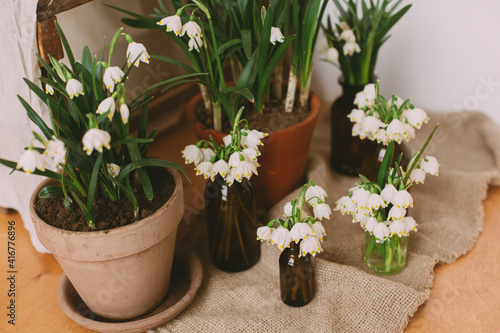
pixel 93 184
pixel 113 43
pixel 175 62
pixel 130 139
pixel 50 191
pixel 246 40
pixel 135 155
pixel 150 162
pixel 386 164
pixel 67 48
pixel 35 118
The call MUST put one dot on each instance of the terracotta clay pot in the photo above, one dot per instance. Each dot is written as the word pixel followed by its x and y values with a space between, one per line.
pixel 284 154
pixel 120 273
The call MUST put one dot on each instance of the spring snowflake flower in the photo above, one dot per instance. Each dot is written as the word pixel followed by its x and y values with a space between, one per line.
pixel 332 54
pixel 74 88
pixel 396 130
pixel 276 36
pixel 410 132
pixel 208 153
pixel 402 199
pixel 345 205
pixel 192 154
pixel 235 159
pixel 48 89
pixel 397 213
pixel 264 234
pixel 137 51
pixel 351 48
pixel 113 169
pixel 250 154
pixel 356 116
pixel 370 125
pixel 230 177
pixel 204 168
pixel 381 232
pixel 252 139
pixel 410 224
pixel 388 193
pixel 56 150
pixel 348 36
pixel 430 165
pixel 96 139
pixel 287 209
pixel 415 117
pixel 318 230
pixel 398 228
pixel 310 244
pixel 107 105
pixel 322 210
pixel 281 237
pixel 220 167
pixel 124 112
pixel 30 161
pixel 375 201
pixel 112 76
pixel 360 214
pixel 192 29
pixel 417 175
pixel 195 43
pixel 356 129
pixel 245 170
pixel 366 97
pixel 382 137
pixel 370 224
pixel 172 23
pixel 314 193
pixel 360 197
pixel 300 231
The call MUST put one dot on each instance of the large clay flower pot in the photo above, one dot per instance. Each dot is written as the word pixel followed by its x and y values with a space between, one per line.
pixel 284 155
pixel 120 273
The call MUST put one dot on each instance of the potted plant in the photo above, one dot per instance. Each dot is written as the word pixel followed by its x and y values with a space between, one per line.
pixel 248 39
pixel 361 28
pixel 106 214
pixel 298 236
pixel 230 205
pixel 380 207
pixel 381 121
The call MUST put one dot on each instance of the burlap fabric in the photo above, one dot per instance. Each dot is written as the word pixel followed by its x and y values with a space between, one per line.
pixel 348 297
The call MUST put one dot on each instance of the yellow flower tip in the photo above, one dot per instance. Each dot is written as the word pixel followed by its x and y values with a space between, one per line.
pixel 177 32
pixel 28 171
pixel 281 247
pixel 248 175
pixel 168 29
pixel 272 242
pixel 223 174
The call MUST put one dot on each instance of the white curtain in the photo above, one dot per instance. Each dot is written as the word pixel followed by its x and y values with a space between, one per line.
pixel 17 61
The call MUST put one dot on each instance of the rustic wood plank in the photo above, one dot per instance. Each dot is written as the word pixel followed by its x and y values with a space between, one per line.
pixel 48 39
pixel 49 8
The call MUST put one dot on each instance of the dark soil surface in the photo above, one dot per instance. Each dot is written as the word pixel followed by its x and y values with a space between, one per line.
pixel 108 214
pixel 273 119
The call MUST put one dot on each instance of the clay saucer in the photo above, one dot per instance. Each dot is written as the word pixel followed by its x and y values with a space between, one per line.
pixel 185 281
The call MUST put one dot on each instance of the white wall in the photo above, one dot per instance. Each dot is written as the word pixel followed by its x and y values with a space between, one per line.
pixel 443 54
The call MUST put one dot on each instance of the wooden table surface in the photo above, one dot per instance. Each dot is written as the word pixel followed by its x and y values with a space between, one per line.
pixel 465 296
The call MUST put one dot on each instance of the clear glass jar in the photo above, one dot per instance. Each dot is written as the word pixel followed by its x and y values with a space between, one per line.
pixel 386 258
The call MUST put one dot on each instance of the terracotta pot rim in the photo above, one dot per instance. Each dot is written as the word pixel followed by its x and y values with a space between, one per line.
pixel 314 104
pixel 108 232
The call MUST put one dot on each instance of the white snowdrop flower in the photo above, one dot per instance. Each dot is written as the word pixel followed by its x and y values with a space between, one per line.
pixel 314 193
pixel 375 202
pixel 250 154
pixel 388 193
pixel 253 139
pixel 30 161
pixel 264 234
pixel 287 209
pixel 300 231
pixel 360 197
pixel 124 112
pixel 310 244
pixel 348 36
pixel 402 199
pixel 430 165
pixel 370 92
pixel 137 51
pixel 106 105
pixel 350 48
pixel 245 170
pixel 416 117
pixel 95 139
pixel 207 153
pixel 322 210
pixel 220 167
pixel 332 54
pixel 112 76
pixel 341 204
pixel 172 23
pixel 370 125
pixel 276 36
pixel 370 224
pixel 410 224
pixel 235 159
pixel 56 150
pixel 356 129
pixel 381 232
pixel 360 214
pixel 227 140
pixel 281 237
pixel 113 169
pixel 356 116
pixel 48 89
pixel 382 137
pixel 410 132
pixel 397 213
pixel 322 45
pixel 192 154
pixel 318 230
pixel 205 169
pixel 398 228
pixel 195 43
pixel 74 88
pixel 192 29
pixel 417 175
pixel 396 130
pixel 230 177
